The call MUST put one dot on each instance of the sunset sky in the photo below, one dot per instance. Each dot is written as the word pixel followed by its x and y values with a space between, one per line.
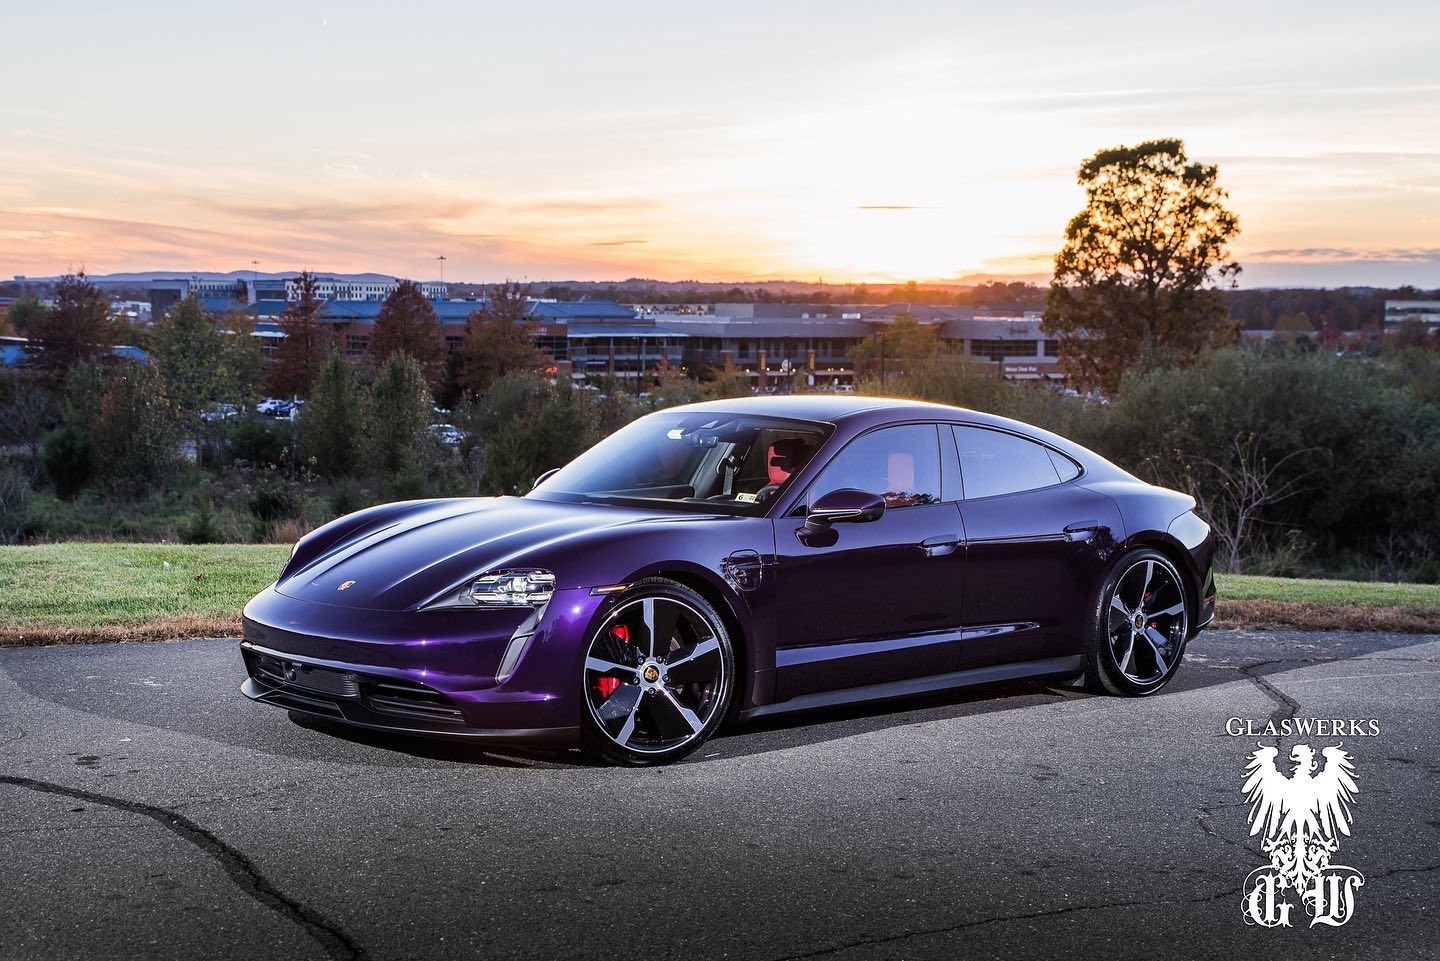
pixel 708 140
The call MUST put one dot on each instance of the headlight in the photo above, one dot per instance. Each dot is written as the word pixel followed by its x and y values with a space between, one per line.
pixel 512 589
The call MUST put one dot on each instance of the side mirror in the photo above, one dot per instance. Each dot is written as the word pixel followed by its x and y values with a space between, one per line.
pixel 844 506
pixel 543 478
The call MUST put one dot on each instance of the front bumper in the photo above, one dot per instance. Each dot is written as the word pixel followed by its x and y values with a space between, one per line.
pixel 433 673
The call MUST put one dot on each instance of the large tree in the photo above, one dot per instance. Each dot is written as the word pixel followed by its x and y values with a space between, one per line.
pixel 407 325
pixel 499 337
pixel 307 344
pixel 77 328
pixel 897 346
pixel 1142 263
pixel 24 314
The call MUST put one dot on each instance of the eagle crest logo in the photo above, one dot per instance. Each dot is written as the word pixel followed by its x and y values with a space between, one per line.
pixel 1300 819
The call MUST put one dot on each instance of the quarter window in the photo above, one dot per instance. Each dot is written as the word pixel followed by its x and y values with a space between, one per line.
pixel 1064 466
pixel 993 462
pixel 901 464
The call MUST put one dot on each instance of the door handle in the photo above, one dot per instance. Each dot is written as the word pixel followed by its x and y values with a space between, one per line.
pixel 939 545
pixel 1081 530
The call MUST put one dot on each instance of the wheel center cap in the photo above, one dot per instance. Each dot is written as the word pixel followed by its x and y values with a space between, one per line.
pixel 651 673
pixel 1139 621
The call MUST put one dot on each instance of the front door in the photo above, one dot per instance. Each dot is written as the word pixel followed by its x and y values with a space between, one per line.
pixel 865 603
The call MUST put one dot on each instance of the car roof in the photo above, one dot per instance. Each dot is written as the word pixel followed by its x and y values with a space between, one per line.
pixel 822 407
pixel 863 412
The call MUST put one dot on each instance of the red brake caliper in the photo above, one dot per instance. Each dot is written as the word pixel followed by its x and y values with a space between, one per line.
pixel 607 685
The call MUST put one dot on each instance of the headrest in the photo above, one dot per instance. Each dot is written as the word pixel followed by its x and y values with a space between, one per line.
pixel 784 458
pixel 900 473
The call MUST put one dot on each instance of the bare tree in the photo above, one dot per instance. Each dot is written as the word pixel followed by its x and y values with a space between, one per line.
pixel 1236 495
pixel 27 411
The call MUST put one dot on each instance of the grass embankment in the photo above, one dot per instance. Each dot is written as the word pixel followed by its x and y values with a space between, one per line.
pixel 82 593
pixel 1250 601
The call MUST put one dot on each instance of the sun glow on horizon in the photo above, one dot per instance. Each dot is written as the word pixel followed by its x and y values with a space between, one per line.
pixel 926 142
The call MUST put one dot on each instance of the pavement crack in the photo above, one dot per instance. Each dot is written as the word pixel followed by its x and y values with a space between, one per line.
pixel 336 943
pixel 1208 811
pixel 1423 869
pixel 1000 919
pixel 1288 706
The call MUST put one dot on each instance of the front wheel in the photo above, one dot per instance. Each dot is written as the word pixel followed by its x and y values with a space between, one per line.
pixel 1139 626
pixel 658 676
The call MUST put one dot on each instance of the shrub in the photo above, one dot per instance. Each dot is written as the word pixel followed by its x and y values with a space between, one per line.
pixel 399 413
pixel 273 499
pixel 261 441
pixel 68 461
pixel 409 486
pixel 560 423
pixel 135 430
pixel 15 521
pixel 201 527
pixel 330 423
pixel 1345 456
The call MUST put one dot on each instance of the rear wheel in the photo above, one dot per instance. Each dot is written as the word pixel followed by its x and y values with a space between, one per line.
pixel 658 676
pixel 1139 627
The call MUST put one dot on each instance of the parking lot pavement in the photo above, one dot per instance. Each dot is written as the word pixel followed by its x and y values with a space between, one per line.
pixel 148 810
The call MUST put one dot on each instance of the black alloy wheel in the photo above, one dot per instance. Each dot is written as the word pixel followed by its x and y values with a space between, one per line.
pixel 658 675
pixel 1142 625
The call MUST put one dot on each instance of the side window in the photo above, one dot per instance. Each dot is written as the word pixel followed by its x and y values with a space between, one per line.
pixel 1067 468
pixel 901 464
pixel 993 462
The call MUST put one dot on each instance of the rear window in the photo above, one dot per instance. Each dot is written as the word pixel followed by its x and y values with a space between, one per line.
pixel 993 462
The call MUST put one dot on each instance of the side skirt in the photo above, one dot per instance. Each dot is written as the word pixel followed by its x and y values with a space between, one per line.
pixel 909 687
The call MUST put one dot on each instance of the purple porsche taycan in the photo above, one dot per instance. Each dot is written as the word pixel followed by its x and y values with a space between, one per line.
pixel 736 559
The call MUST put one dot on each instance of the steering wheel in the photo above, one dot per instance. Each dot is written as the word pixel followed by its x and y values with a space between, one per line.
pixel 766 492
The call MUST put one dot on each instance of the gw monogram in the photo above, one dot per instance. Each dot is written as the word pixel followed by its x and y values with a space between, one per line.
pixel 1301 818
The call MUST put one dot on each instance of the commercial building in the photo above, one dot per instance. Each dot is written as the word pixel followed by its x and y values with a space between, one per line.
pixel 1426 312
pixel 226 294
pixel 819 340
pixel 20 351
pixel 812 342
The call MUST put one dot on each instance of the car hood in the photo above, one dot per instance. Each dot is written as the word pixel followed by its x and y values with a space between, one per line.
pixel 401 557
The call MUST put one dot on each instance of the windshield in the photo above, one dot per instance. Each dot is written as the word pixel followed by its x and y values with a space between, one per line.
pixel 736 463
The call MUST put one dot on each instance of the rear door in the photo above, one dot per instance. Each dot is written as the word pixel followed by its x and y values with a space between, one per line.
pixel 1038 544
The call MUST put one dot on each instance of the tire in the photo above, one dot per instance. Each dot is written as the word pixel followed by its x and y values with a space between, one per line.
pixel 1139 626
pixel 642 705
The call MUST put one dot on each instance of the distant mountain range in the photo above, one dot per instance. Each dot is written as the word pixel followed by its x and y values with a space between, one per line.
pixel 146 276
pixel 134 277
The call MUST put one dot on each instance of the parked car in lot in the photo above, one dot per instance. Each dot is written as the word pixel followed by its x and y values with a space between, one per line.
pixel 278 408
pixel 218 412
pixel 447 434
pixel 732 560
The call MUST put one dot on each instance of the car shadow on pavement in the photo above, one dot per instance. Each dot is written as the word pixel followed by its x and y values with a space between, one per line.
pixel 451 750
pixel 1214 658
pixel 178 688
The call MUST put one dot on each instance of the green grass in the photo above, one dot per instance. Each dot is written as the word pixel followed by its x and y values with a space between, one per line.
pixel 86 585
pixel 1244 587
pixel 89 586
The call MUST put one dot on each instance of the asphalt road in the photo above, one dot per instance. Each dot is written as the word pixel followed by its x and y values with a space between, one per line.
pixel 148 810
